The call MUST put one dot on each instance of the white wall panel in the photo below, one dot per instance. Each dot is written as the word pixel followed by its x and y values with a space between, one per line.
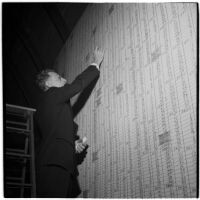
pixel 140 120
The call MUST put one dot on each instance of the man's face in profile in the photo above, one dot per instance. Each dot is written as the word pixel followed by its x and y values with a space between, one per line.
pixel 55 80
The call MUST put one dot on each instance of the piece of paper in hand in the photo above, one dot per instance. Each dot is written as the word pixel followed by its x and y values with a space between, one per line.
pixel 84 140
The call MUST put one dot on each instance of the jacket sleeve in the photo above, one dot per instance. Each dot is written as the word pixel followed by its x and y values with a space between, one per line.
pixel 80 83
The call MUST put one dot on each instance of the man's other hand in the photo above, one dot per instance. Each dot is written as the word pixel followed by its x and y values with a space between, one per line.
pixel 98 55
pixel 80 145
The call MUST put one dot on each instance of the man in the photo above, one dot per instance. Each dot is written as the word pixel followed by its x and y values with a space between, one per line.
pixel 57 144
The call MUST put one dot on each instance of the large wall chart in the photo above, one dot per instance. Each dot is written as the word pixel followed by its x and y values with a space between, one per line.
pixel 140 119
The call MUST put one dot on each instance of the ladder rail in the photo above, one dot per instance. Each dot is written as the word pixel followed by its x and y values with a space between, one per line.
pixel 24 168
pixel 32 160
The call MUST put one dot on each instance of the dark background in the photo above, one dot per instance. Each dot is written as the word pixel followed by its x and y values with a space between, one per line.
pixel 32 36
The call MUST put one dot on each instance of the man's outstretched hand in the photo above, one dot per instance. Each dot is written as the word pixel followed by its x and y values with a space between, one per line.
pixel 98 55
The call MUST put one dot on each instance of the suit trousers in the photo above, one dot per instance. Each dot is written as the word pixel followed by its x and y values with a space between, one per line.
pixel 53 181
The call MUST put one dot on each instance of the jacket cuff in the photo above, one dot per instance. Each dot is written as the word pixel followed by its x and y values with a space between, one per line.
pixel 97 66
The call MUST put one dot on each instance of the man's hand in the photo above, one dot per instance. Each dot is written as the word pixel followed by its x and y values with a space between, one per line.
pixel 98 55
pixel 80 145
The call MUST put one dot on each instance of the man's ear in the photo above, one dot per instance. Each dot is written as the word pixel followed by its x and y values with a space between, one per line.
pixel 48 83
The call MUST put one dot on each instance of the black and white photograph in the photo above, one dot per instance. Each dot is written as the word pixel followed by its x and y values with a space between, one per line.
pixel 100 99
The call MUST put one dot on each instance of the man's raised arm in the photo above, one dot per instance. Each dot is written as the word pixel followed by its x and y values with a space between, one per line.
pixel 82 80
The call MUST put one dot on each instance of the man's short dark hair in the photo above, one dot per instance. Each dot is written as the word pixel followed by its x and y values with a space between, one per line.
pixel 42 77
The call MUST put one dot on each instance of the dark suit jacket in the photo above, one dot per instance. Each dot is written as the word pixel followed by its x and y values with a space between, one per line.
pixel 54 119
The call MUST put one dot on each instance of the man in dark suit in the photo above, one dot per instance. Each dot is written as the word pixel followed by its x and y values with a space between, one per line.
pixel 57 144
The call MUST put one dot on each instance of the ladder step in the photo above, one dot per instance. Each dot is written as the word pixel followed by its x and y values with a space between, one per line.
pixel 14 150
pixel 17 123
pixel 18 154
pixel 17 130
pixel 19 184
pixel 15 114
pixel 13 178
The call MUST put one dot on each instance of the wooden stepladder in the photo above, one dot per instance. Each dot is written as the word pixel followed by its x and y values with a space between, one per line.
pixel 19 158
